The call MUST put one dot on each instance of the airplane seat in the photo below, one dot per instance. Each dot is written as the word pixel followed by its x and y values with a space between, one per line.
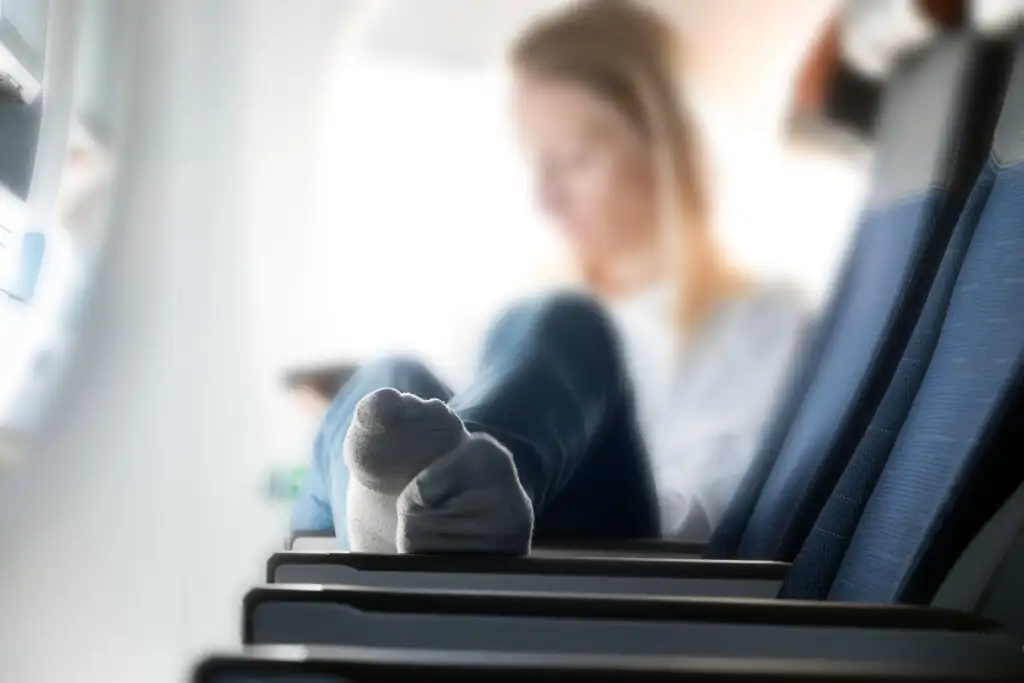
pixel 934 134
pixel 955 461
pixel 818 560
pixel 823 550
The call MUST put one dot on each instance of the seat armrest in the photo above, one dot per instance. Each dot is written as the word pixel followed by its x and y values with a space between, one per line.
pixel 564 566
pixel 646 576
pixel 324 540
pixel 317 664
pixel 630 608
pixel 496 624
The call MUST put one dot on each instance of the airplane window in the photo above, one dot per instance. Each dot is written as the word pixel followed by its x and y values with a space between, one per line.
pixel 419 191
pixel 62 230
pixel 48 322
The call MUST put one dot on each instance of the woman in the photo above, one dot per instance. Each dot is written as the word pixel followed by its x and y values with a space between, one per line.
pixel 667 366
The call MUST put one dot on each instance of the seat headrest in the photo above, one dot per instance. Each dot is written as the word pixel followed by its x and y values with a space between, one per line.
pixel 929 109
pixel 1008 146
pixel 876 32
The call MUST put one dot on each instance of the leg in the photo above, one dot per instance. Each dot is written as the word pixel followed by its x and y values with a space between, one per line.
pixel 321 502
pixel 553 435
pixel 552 388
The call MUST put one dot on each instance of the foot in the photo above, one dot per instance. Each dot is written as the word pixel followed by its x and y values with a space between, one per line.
pixel 421 483
pixel 469 501
pixel 393 437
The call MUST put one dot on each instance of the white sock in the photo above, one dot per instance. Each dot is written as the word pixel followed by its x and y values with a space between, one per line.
pixel 392 438
pixel 421 483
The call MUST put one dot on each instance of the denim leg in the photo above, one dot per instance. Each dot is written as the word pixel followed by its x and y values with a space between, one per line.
pixel 552 388
pixel 320 505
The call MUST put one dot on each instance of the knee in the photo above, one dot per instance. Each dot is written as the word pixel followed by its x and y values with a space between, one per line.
pixel 574 314
pixel 568 320
pixel 571 317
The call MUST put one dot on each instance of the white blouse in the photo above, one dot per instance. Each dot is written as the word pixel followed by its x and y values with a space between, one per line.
pixel 703 404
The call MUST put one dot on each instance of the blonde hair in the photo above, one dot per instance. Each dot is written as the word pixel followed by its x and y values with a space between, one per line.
pixel 629 56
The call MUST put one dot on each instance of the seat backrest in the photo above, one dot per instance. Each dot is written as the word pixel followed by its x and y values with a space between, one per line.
pixel 819 558
pixel 822 552
pixel 958 456
pixel 934 133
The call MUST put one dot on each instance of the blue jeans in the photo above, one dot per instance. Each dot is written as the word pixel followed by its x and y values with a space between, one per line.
pixel 552 388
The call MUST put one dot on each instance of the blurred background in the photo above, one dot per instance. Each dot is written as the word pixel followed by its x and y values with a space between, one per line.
pixel 229 205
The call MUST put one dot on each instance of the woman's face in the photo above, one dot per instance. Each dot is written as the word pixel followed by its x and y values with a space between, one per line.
pixel 593 172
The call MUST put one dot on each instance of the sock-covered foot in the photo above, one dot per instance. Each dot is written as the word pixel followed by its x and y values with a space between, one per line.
pixel 469 501
pixel 393 437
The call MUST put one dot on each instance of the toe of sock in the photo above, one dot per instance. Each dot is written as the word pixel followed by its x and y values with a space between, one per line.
pixel 394 436
pixel 385 409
